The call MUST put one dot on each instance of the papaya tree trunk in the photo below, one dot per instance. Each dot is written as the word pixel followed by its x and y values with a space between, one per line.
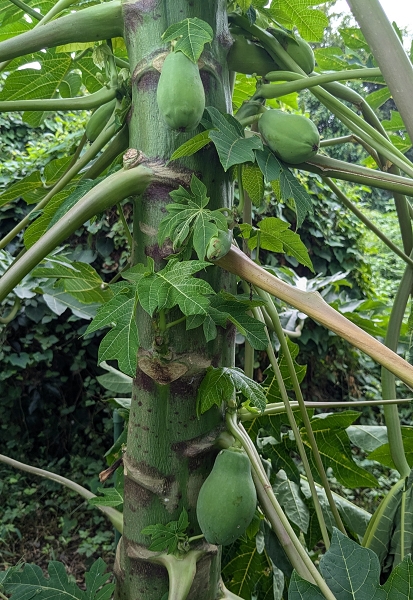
pixel 170 451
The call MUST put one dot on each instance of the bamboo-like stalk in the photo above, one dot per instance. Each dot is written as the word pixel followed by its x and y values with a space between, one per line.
pixel 312 304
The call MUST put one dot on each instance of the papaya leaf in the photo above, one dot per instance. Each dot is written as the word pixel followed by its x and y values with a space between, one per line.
pixel 115 381
pixel 76 278
pixel 58 301
pixel 354 38
pixel 290 497
pixel 275 235
pixel 291 189
pixel 330 58
pixel 22 188
pixel 269 164
pixel 167 537
pixel 400 582
pixel 189 219
pixel 121 343
pixel 89 74
pixel 111 497
pixel 367 437
pixel 226 307
pixel 249 571
pixel 309 22
pixel 232 146
pixel 220 385
pixel 55 169
pixel 193 145
pixel 175 285
pixel 191 36
pixel 253 182
pixel 114 310
pixel 382 454
pixel 334 447
pixel 404 517
pixel 30 582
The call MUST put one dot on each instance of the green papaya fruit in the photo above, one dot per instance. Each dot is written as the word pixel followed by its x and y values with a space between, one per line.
pixel 246 57
pixel 99 119
pixel 219 246
pixel 297 48
pixel 293 138
pixel 180 93
pixel 227 499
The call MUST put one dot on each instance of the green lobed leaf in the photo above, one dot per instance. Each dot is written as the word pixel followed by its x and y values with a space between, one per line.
pixel 378 98
pixel 191 35
pixel 334 447
pixel 56 168
pixel 253 182
pixel 121 343
pixel 21 188
pixel 309 22
pixel 110 497
pixel 193 145
pixel 292 189
pixel 174 285
pixel 38 227
pixel 247 571
pixel 76 278
pixel 31 83
pixel 290 497
pixel 382 454
pixel 114 310
pixel 269 164
pixel 30 582
pixel 232 146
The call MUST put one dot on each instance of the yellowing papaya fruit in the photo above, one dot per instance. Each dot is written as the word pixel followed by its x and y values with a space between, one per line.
pixel 99 119
pixel 180 93
pixel 246 57
pixel 227 499
pixel 297 48
pixel 293 138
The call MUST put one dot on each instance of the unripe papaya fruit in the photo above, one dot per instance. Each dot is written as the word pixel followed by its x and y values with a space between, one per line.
pixel 180 93
pixel 219 246
pixel 246 57
pixel 227 499
pixel 293 138
pixel 297 48
pixel 99 119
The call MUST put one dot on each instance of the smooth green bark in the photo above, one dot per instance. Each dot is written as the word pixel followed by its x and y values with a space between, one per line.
pixel 170 451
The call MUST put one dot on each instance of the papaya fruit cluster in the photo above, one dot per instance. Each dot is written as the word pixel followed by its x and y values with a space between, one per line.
pixel 247 56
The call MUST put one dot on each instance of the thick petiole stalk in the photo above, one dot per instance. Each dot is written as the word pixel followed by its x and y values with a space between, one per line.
pixel 291 544
pixel 303 411
pixel 113 515
pixel 104 137
pixel 91 24
pixel 79 103
pixel 112 190
pixel 343 198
